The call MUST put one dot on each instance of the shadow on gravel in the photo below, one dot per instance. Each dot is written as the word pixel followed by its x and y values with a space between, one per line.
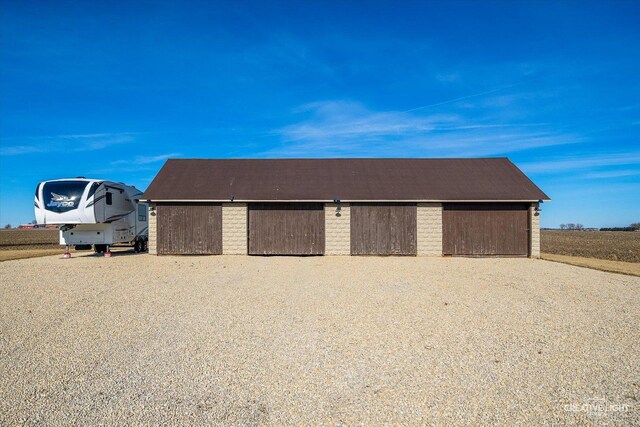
pixel 115 252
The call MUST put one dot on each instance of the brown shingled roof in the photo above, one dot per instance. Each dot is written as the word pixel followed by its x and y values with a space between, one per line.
pixel 495 179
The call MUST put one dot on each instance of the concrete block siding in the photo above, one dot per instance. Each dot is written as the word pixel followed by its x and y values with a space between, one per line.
pixel 535 230
pixel 234 228
pixel 153 229
pixel 337 229
pixel 429 219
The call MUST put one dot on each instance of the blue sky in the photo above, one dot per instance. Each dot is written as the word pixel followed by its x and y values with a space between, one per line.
pixel 112 89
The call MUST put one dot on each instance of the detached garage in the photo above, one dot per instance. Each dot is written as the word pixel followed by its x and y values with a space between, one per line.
pixel 400 207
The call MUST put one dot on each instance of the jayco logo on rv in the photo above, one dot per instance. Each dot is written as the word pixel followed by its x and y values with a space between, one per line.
pixel 60 201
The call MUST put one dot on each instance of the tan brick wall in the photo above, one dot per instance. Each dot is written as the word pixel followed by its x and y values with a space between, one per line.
pixel 234 228
pixel 535 231
pixel 337 229
pixel 430 229
pixel 153 229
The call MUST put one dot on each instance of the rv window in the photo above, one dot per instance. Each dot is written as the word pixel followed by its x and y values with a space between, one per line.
pixel 62 196
pixel 93 189
pixel 109 198
pixel 142 213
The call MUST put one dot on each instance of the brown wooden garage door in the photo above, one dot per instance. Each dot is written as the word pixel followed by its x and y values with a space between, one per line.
pixel 189 228
pixel 485 229
pixel 286 229
pixel 383 228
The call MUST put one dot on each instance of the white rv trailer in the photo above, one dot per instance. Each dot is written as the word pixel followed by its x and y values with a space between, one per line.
pixel 93 212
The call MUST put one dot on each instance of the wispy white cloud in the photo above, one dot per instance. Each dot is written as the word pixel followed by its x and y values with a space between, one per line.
pixel 570 163
pixel 474 95
pixel 20 149
pixel 343 119
pixel 448 77
pixel 70 142
pixel 280 52
pixel 138 164
pixel 130 169
pixel 84 136
pixel 145 160
pixel 613 174
pixel 349 128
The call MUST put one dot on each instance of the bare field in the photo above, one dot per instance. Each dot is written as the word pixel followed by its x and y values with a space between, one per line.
pixel 631 268
pixel 608 245
pixel 28 238
pixel 224 340
pixel 28 243
pixel 22 253
pixel 25 243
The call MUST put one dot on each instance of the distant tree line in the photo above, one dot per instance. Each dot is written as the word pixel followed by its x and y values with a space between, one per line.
pixel 617 229
pixel 633 227
pixel 571 227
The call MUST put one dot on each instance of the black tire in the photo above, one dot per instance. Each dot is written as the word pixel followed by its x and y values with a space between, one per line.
pixel 136 246
pixel 100 249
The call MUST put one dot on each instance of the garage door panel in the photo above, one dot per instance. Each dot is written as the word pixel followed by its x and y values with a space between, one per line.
pixel 383 228
pixel 286 229
pixel 189 228
pixel 485 229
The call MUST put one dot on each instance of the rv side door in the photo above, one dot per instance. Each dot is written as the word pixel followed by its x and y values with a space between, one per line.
pixel 142 219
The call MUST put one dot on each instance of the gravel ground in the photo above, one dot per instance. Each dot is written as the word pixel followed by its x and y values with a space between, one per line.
pixel 138 339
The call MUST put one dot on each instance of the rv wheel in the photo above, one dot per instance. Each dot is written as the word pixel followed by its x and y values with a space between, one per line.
pixel 100 248
pixel 136 246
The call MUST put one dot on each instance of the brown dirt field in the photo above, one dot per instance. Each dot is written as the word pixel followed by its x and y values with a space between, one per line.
pixel 26 243
pixel 8 255
pixel 631 268
pixel 606 245
pixel 28 239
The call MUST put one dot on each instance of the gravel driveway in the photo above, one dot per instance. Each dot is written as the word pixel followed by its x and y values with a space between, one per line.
pixel 138 339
